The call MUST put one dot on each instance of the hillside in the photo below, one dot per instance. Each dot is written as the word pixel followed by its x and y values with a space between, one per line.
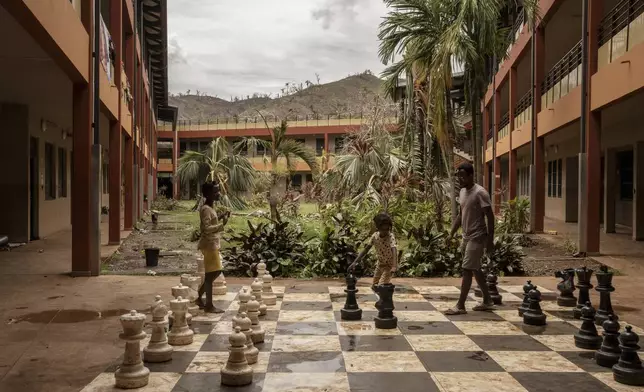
pixel 350 95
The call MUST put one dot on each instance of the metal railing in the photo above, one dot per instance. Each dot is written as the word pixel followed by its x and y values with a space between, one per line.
pixel 258 123
pixel 620 30
pixel 523 110
pixel 513 35
pixel 504 126
pixel 564 76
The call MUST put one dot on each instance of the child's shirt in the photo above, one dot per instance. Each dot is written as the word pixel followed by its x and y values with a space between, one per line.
pixel 210 229
pixel 385 248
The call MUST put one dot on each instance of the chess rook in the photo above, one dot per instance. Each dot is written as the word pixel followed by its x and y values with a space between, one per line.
pixel 236 372
pixel 351 310
pixel 256 289
pixel 158 350
pixel 583 284
pixel 604 287
pixel 132 374
pixel 244 297
pixel 566 288
pixel 180 334
pixel 268 297
pixel 491 281
pixel 628 369
pixel 609 352
pixel 534 315
pixel 258 333
pixel 385 305
pixel 525 305
pixel 587 337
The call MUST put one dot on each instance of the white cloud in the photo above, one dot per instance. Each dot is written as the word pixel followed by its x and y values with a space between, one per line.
pixel 227 47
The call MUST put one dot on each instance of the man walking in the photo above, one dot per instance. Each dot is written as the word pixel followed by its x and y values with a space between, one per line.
pixel 478 236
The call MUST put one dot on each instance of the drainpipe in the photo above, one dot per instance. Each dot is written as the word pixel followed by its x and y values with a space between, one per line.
pixel 583 187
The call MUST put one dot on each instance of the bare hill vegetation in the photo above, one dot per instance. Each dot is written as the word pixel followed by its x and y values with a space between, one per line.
pixel 347 96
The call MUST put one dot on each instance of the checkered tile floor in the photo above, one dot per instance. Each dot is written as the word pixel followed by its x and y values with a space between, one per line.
pixel 309 348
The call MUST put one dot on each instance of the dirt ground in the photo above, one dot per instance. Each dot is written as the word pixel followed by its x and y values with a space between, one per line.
pixel 549 254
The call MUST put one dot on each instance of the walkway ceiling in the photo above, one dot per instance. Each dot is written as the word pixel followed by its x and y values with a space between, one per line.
pixel 155 27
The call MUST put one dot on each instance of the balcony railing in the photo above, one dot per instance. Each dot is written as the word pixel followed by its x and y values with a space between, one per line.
pixel 258 122
pixel 490 139
pixel 562 78
pixel 513 36
pixel 504 126
pixel 620 30
pixel 523 110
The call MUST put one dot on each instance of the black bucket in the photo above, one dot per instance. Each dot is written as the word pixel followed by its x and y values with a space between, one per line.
pixel 151 257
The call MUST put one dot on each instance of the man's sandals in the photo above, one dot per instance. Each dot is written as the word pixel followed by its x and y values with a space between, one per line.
pixel 482 307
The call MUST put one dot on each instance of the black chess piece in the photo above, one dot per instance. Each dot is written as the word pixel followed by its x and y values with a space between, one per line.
pixel 584 286
pixel 478 292
pixel 587 337
pixel 491 282
pixel 351 310
pixel 604 287
pixel 609 352
pixel 534 315
pixel 628 369
pixel 525 305
pixel 566 288
pixel 385 305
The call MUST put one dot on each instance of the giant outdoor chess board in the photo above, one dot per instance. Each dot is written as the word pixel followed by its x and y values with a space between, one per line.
pixel 309 348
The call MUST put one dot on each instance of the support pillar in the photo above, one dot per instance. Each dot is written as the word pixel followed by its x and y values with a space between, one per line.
pixel 496 161
pixel 176 183
pixel 610 189
pixel 115 183
pixel 129 188
pixel 638 191
pixel 590 184
pixel 512 183
pixel 486 128
pixel 537 169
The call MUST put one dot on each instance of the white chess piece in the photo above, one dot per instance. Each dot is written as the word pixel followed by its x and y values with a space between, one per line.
pixel 268 297
pixel 244 297
pixel 252 310
pixel 236 372
pixel 132 374
pixel 184 292
pixel 180 334
pixel 219 285
pixel 158 350
pixel 257 287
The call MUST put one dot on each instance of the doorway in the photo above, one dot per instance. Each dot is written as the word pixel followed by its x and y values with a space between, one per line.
pixel 33 189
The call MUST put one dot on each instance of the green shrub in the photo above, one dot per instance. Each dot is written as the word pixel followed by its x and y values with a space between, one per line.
pixel 279 244
pixel 430 253
pixel 507 255
pixel 515 216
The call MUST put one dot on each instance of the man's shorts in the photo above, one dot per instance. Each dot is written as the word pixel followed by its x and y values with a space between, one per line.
pixel 473 251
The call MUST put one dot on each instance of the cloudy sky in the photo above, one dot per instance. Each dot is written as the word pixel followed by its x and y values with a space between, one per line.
pixel 238 47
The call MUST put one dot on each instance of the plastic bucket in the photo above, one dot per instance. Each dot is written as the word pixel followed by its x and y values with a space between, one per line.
pixel 151 257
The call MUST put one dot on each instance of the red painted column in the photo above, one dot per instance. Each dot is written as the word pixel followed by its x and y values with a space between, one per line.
pixel 486 127
pixel 512 183
pixel 593 135
pixel 539 182
pixel 326 151
pixel 129 210
pixel 82 134
pixel 496 198
pixel 175 164
pixel 116 29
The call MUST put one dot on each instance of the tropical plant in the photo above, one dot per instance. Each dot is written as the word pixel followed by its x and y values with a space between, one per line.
pixel 430 253
pixel 280 146
pixel 515 216
pixel 233 171
pixel 506 257
pixel 279 244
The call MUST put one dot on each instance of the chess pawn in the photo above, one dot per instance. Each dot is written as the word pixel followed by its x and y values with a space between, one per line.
pixel 351 310
pixel 244 297
pixel 587 337
pixel 257 288
pixel 609 352
pixel 132 374
pixel 534 315
pixel 183 292
pixel 566 288
pixel 628 369
pixel 158 350
pixel 268 297
pixel 180 334
pixel 251 351
pixel 252 309
pixel 604 287
pixel 219 285
pixel 525 305
pixel 261 268
pixel 236 372
pixel 583 284
pixel 491 282
pixel 385 305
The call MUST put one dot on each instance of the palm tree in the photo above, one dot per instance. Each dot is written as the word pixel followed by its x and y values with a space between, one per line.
pixel 280 146
pixel 219 163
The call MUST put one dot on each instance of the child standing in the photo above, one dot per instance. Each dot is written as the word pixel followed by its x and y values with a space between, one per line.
pixel 209 244
pixel 385 244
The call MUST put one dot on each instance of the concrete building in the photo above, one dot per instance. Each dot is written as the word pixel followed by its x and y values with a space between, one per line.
pixel 577 149
pixel 61 171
